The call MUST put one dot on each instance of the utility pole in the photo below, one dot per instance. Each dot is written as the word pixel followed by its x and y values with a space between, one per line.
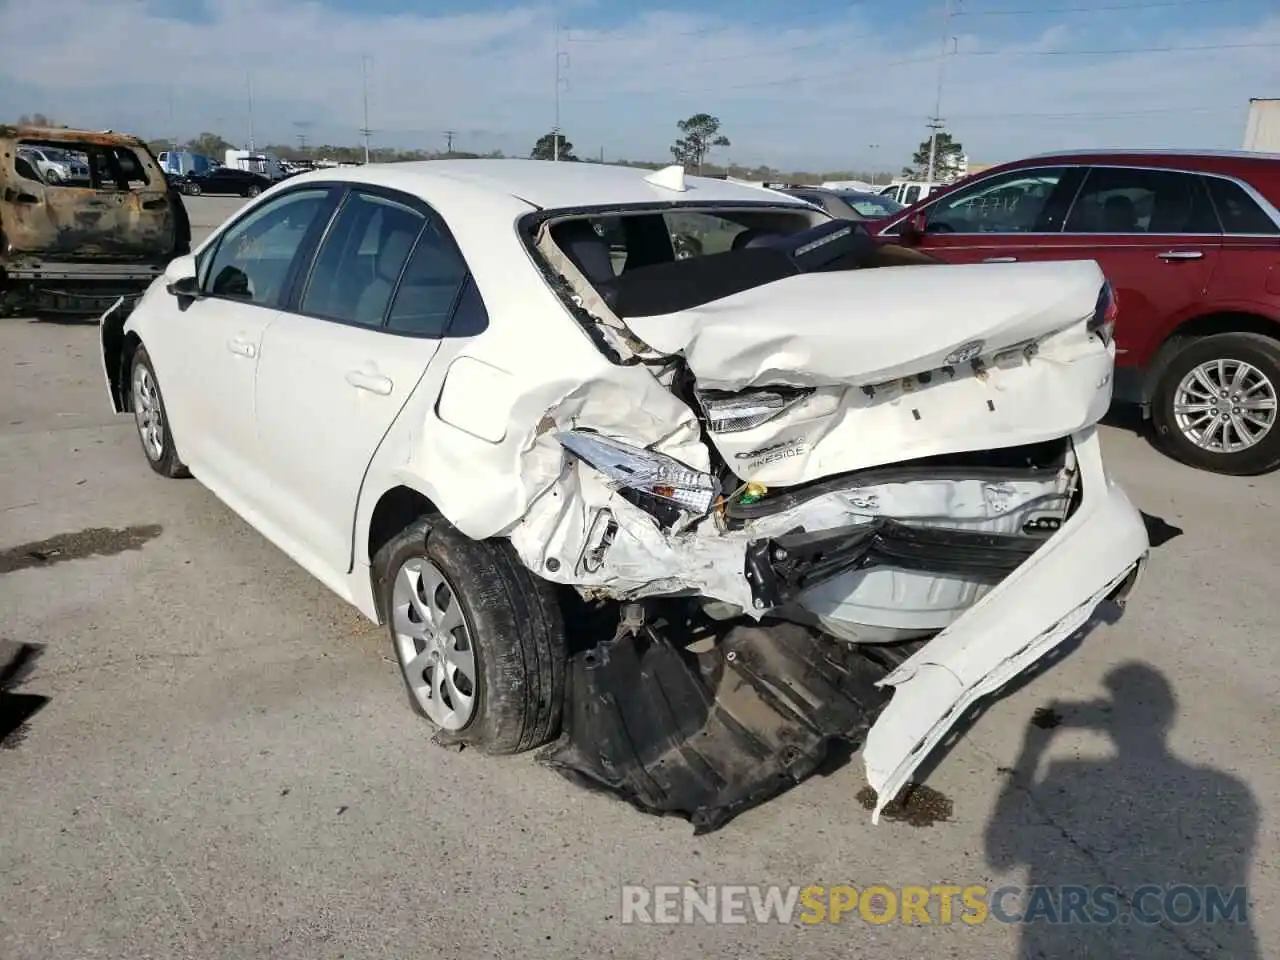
pixel 249 80
pixel 448 139
pixel 302 125
pixel 935 122
pixel 364 89
pixel 562 84
pixel 875 152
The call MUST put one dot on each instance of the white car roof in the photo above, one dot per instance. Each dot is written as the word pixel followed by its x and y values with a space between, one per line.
pixel 550 185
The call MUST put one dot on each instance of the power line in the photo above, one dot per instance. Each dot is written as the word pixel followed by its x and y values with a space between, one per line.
pixel 1158 5
pixel 812 11
pixel 881 65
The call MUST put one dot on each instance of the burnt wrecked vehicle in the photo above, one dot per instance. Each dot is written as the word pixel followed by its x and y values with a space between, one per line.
pixel 816 489
pixel 76 235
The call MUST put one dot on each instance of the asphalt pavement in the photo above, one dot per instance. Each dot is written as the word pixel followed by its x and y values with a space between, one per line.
pixel 220 763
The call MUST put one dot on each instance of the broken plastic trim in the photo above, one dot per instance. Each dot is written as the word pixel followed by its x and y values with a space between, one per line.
pixel 780 568
pixel 706 737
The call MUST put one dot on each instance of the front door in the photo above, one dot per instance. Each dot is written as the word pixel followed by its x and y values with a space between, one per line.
pixel 207 354
pixel 1003 218
pixel 338 368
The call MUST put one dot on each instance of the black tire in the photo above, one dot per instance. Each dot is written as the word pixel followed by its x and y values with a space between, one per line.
pixel 191 189
pixel 252 191
pixel 164 461
pixel 516 629
pixel 1262 353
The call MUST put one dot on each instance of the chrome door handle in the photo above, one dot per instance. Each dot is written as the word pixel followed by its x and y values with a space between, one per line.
pixel 242 347
pixel 1001 260
pixel 373 382
pixel 1181 255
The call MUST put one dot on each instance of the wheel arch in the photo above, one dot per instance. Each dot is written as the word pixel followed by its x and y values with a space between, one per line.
pixel 1203 325
pixel 395 509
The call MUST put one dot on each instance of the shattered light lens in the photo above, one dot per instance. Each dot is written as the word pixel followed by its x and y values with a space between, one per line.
pixel 643 471
pixel 735 412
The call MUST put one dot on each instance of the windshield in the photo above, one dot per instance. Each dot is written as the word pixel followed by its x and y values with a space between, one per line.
pixel 871 205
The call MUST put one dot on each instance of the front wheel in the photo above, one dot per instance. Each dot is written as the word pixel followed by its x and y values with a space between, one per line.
pixel 191 189
pixel 253 191
pixel 152 418
pixel 479 640
pixel 1215 404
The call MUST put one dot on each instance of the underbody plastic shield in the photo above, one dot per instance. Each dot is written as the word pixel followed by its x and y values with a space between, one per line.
pixel 1053 594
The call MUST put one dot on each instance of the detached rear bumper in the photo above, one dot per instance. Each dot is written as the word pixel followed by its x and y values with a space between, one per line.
pixel 1099 552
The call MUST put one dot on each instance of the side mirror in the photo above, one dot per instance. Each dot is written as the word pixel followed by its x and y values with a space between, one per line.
pixel 180 277
pixel 913 229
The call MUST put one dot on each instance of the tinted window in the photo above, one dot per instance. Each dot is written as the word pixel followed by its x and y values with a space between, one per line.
pixel 912 195
pixel 1014 202
pixel 361 259
pixel 1123 200
pixel 429 288
pixel 1238 211
pixel 252 260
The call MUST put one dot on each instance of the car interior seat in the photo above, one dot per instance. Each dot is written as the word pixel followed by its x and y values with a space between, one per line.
pixel 393 249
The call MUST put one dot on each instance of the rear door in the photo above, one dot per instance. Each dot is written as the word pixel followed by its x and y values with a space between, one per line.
pixel 1155 235
pixel 339 366
pixel 1248 274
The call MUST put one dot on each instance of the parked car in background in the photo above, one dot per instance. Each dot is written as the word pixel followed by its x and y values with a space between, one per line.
pixel 1191 243
pixel 844 204
pixel 225 180
pixel 74 251
pixel 56 166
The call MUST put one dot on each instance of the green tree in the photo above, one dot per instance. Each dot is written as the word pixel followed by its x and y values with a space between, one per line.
pixel 545 148
pixel 209 145
pixel 35 120
pixel 701 133
pixel 947 161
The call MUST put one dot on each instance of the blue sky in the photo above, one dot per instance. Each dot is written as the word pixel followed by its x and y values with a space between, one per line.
pixel 806 84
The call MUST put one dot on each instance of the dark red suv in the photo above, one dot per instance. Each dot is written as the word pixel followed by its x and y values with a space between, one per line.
pixel 1191 245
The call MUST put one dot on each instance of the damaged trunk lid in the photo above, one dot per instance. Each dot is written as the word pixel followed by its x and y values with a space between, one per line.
pixel 828 372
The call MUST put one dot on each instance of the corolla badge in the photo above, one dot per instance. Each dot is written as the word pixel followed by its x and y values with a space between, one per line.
pixel 965 352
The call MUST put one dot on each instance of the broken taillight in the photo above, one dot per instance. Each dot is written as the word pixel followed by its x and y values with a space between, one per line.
pixel 1103 322
pixel 735 412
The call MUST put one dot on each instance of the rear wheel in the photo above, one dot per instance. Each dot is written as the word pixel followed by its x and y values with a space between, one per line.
pixel 152 419
pixel 253 190
pixel 191 189
pixel 1215 404
pixel 479 640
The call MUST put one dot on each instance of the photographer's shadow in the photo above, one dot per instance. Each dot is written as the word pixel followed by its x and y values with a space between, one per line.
pixel 1142 818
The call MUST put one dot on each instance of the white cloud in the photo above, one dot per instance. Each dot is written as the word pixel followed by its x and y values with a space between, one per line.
pixel 815 94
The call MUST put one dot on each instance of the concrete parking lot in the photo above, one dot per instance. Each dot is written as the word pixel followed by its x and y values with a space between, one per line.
pixel 225 766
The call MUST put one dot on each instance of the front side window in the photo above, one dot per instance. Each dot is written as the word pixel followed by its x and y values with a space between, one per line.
pixel 361 260
pixel 1124 200
pixel 1239 212
pixel 252 260
pixel 1015 202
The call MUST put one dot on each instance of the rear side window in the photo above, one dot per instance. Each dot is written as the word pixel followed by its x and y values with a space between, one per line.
pixel 1238 211
pixel 1125 200
pixel 361 260
pixel 429 286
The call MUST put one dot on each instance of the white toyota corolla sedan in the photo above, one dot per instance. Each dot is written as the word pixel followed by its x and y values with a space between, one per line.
pixel 465 393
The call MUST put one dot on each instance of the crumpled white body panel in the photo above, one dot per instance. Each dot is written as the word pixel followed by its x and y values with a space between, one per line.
pixel 1040 605
pixel 870 406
